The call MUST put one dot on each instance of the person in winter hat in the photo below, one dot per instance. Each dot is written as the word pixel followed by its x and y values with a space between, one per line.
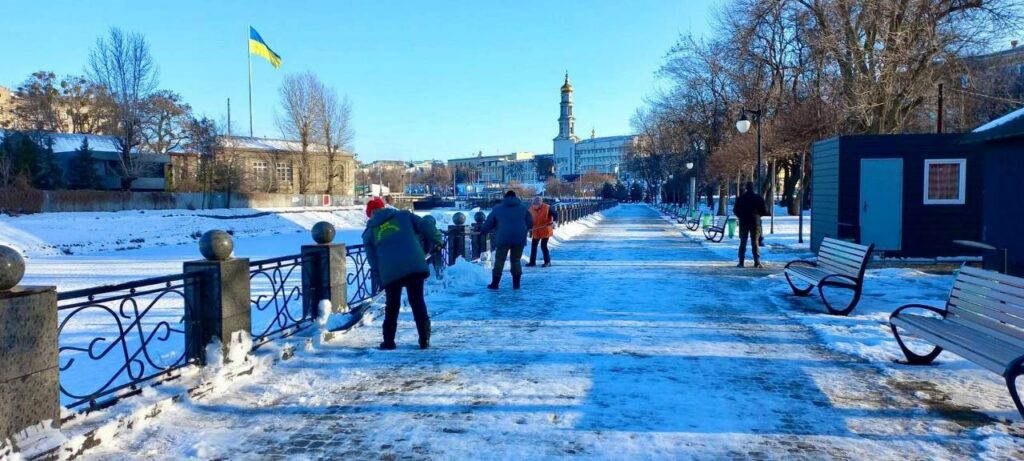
pixel 396 243
pixel 510 221
pixel 374 204
pixel 749 209
pixel 544 217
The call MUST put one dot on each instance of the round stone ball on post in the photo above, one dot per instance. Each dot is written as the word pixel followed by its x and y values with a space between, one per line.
pixel 459 219
pixel 216 245
pixel 479 217
pixel 12 268
pixel 323 232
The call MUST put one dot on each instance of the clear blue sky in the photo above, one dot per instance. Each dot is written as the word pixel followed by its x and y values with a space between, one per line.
pixel 426 79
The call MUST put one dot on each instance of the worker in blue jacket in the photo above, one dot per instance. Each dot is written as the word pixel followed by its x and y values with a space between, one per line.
pixel 396 243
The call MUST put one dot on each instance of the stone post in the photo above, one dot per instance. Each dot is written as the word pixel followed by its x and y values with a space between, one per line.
pixel 219 297
pixel 323 273
pixel 478 240
pixel 29 387
pixel 457 238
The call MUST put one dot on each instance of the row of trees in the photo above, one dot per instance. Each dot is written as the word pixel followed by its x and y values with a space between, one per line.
pixel 119 96
pixel 816 69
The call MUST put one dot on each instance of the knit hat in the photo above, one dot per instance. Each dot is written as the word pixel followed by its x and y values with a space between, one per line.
pixel 373 205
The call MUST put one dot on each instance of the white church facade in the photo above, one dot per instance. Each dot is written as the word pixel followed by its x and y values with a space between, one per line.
pixel 574 157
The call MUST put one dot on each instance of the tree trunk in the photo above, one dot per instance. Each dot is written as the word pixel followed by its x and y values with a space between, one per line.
pixel 723 192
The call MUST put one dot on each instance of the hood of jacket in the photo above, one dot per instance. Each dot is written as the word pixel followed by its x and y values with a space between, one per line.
pixel 511 201
pixel 381 215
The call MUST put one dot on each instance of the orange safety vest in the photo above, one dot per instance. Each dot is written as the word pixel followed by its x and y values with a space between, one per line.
pixel 542 221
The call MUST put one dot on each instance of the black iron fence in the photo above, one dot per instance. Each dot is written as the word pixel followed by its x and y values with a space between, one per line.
pixel 111 339
pixel 276 296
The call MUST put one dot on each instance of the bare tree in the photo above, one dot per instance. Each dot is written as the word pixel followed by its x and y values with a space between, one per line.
pixel 301 99
pixel 121 62
pixel 334 123
pixel 165 122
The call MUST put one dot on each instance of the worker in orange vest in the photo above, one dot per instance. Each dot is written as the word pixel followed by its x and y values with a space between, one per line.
pixel 543 228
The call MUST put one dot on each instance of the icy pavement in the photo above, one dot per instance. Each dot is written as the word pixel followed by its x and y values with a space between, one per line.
pixel 637 344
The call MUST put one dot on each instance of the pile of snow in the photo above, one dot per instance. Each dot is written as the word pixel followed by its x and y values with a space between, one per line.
pixel 75 233
pixel 464 274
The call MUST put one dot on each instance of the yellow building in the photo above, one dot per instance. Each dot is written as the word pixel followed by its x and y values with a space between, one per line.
pixel 273 165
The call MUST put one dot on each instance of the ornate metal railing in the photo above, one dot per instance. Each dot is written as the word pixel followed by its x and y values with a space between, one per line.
pixel 361 286
pixel 112 338
pixel 276 297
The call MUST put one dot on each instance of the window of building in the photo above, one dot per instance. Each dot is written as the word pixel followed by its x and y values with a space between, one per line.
pixel 259 170
pixel 945 181
pixel 284 172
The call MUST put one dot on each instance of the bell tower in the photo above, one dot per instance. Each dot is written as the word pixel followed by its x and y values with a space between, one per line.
pixel 565 142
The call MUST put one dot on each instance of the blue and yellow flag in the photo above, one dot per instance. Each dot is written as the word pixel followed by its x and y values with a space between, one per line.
pixel 258 47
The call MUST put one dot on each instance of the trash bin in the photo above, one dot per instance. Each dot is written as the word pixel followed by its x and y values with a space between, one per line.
pixel 731 226
pixel 706 222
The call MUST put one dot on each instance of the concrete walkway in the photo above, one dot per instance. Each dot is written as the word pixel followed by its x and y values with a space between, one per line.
pixel 636 344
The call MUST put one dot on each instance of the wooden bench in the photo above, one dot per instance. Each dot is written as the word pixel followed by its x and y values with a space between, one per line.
pixel 716 232
pixel 692 222
pixel 839 264
pixel 681 215
pixel 983 321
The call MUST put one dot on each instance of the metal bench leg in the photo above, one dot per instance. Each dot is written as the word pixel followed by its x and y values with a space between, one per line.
pixel 1013 372
pixel 798 291
pixel 846 310
pixel 912 358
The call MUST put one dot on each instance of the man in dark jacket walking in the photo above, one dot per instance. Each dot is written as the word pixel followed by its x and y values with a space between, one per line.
pixel 749 209
pixel 396 243
pixel 511 219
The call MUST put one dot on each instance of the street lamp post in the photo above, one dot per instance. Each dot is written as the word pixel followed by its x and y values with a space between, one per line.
pixel 693 184
pixel 743 125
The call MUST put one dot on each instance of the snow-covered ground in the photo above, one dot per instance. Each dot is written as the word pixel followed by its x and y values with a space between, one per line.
pixel 952 385
pixel 637 344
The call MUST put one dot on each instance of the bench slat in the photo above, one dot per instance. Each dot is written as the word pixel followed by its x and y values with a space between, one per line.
pixel 992 327
pixel 844 251
pixel 827 258
pixel 841 259
pixel 981 280
pixel 987 274
pixel 988 352
pixel 965 301
pixel 833 267
pixel 843 243
pixel 1006 302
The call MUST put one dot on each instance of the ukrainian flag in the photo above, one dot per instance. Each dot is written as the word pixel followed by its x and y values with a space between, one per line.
pixel 258 47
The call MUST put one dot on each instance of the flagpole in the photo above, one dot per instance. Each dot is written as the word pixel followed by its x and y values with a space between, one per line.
pixel 249 57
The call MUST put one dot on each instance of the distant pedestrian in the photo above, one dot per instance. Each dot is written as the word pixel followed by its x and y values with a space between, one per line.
pixel 396 243
pixel 511 219
pixel 749 209
pixel 544 217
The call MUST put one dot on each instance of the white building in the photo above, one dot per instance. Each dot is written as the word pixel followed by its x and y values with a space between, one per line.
pixel 498 169
pixel 575 157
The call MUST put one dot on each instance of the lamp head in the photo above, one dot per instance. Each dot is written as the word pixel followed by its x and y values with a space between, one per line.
pixel 689 165
pixel 743 124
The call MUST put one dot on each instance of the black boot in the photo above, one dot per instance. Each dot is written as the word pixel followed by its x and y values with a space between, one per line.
pixel 757 264
pixel 386 346
pixel 531 264
pixel 495 280
pixel 515 281
pixel 740 264
pixel 424 332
